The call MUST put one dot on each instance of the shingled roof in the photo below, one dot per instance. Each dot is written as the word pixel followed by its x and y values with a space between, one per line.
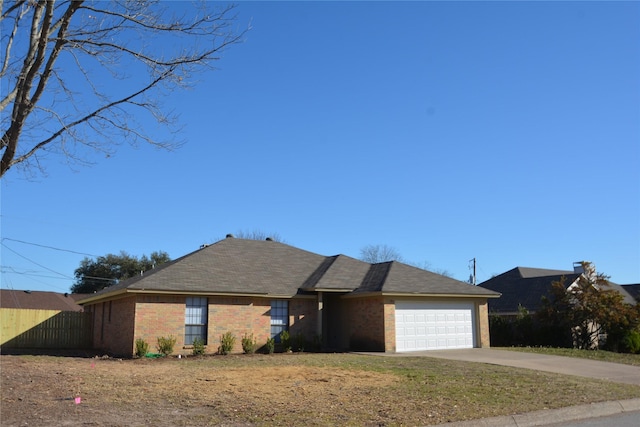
pixel 39 300
pixel 633 290
pixel 524 286
pixel 258 267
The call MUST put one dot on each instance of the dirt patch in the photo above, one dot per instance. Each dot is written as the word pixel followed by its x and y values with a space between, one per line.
pixel 43 391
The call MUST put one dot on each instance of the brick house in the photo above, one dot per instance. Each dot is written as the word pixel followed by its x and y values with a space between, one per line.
pixel 264 287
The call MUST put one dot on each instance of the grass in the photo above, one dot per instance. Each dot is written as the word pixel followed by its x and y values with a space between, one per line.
pixel 602 355
pixel 283 389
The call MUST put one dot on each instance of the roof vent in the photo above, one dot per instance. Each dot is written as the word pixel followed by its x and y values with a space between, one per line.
pixel 230 236
pixel 269 239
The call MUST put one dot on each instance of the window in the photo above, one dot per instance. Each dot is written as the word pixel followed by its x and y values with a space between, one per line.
pixel 195 320
pixel 279 318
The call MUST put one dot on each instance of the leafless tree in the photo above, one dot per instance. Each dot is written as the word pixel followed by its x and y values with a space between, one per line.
pixel 426 265
pixel 80 75
pixel 379 253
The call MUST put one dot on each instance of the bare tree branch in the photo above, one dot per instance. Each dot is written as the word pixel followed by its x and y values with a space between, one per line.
pixel 58 69
pixel 379 253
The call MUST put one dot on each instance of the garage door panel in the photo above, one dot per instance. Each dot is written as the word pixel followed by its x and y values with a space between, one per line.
pixel 433 326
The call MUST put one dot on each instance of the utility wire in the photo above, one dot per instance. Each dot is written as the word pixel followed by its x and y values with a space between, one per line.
pixel 49 247
pixel 32 261
pixel 29 273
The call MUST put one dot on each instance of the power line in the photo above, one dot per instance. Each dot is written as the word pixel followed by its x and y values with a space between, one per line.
pixel 49 247
pixel 32 261
pixel 28 273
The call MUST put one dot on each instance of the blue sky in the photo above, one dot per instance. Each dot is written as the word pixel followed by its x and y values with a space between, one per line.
pixel 506 131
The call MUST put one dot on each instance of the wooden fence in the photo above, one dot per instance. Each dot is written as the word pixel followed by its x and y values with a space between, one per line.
pixel 47 329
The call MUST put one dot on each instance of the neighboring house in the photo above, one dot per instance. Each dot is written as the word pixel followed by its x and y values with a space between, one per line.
pixel 525 287
pixel 42 320
pixel 264 287
pixel 633 290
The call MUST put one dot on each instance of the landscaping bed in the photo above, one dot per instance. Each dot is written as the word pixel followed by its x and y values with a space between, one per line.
pixel 279 389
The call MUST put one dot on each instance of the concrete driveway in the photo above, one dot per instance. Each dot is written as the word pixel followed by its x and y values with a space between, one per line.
pixel 614 372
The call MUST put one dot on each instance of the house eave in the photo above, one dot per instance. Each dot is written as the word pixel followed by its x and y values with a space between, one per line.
pixel 419 294
pixel 333 290
pixel 105 296
pixel 126 292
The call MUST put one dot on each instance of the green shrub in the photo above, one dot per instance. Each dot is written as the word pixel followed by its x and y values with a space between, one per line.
pixel 198 347
pixel 249 343
pixel 270 345
pixel 142 347
pixel 631 342
pixel 165 345
pixel 227 341
pixel 285 339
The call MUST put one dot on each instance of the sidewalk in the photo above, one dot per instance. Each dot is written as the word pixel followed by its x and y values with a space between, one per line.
pixel 554 416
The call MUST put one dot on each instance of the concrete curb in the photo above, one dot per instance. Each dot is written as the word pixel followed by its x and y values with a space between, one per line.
pixel 553 416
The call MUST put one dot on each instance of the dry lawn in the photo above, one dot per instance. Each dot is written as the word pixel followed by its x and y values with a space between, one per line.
pixel 280 389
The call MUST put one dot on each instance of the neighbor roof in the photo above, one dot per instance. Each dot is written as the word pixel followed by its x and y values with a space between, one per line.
pixel 39 300
pixel 633 290
pixel 525 286
pixel 259 267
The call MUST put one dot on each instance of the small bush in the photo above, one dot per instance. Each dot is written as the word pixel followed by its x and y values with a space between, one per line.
pixel 631 342
pixel 142 347
pixel 285 339
pixel 270 345
pixel 227 341
pixel 165 345
pixel 198 347
pixel 249 344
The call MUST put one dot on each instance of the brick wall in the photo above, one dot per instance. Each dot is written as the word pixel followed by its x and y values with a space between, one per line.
pixel 365 323
pixel 303 317
pixel 113 326
pixel 389 325
pixel 369 323
pixel 159 316
pixel 484 339
pixel 238 315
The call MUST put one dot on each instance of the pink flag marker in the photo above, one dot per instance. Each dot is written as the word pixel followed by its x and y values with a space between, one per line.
pixel 78 400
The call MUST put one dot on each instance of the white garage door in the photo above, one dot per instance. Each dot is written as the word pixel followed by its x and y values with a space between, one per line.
pixel 434 326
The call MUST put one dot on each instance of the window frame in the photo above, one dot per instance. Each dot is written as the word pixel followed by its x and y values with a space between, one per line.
pixel 279 318
pixel 196 319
